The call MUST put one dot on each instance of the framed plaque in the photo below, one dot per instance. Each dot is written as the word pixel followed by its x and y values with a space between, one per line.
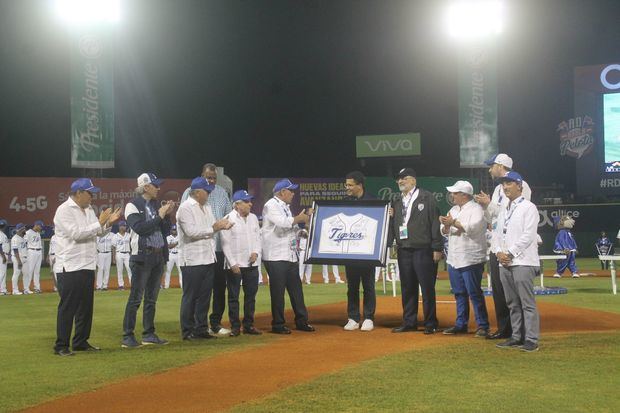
pixel 348 232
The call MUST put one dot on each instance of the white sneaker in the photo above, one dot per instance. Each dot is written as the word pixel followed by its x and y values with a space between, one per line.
pixel 352 325
pixel 576 275
pixel 27 292
pixel 17 292
pixel 325 281
pixel 223 331
pixel 368 325
pixel 557 276
pixel 339 281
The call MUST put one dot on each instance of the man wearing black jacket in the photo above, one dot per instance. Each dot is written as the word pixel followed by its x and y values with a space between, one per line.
pixel 414 224
pixel 359 272
pixel 150 225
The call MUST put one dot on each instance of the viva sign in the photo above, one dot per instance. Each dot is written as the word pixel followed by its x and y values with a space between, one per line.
pixel 405 144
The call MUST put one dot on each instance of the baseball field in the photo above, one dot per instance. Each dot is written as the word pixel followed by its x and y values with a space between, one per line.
pixel 576 370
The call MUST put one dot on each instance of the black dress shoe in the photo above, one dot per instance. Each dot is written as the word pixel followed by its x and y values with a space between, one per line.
pixel 87 347
pixel 281 330
pixel 305 327
pixel 498 335
pixel 404 329
pixel 252 331
pixel 196 337
pixel 64 352
pixel 235 332
pixel 430 330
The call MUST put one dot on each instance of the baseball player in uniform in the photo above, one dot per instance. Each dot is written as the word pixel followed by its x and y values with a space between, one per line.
pixel 173 259
pixel 305 270
pixel 104 260
pixel 19 246
pixel 51 259
pixel 35 256
pixel 336 273
pixel 121 252
pixel 5 253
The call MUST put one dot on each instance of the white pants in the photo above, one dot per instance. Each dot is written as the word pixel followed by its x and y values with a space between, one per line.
pixel 17 272
pixel 326 273
pixel 122 260
pixel 3 275
pixel 305 270
pixel 104 261
pixel 173 259
pixel 33 270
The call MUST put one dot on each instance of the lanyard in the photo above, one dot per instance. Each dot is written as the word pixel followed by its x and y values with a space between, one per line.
pixel 405 207
pixel 282 205
pixel 512 210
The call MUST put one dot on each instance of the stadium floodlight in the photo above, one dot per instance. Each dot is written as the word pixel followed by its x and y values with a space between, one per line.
pixel 88 11
pixel 474 19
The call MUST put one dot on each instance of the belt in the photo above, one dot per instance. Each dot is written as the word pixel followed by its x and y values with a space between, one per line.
pixel 103 252
pixel 152 250
pixel 171 252
pixel 123 252
pixel 35 249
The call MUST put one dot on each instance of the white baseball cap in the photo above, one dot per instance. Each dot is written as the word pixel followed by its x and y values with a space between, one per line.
pixel 501 159
pixel 461 186
pixel 149 178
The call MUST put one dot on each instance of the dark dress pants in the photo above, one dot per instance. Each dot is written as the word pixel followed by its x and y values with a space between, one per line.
pixel 249 276
pixel 197 289
pixel 76 289
pixel 418 270
pixel 219 291
pixel 284 275
pixel 365 274
pixel 502 313
pixel 145 282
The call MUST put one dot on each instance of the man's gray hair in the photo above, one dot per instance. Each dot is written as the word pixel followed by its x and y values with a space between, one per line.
pixel 140 190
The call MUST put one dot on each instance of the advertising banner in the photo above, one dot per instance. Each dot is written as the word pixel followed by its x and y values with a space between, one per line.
pixel 28 199
pixel 92 100
pixel 333 189
pixel 477 82
pixel 404 144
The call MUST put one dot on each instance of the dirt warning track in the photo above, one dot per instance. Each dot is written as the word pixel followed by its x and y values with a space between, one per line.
pixel 297 358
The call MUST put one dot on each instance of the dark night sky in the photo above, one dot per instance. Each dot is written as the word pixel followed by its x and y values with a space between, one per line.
pixel 281 88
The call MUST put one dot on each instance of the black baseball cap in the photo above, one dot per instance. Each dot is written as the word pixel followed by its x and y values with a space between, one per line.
pixel 406 172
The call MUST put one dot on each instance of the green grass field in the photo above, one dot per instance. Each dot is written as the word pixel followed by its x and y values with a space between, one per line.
pixel 574 372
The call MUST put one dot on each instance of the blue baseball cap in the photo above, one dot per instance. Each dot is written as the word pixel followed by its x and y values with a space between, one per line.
pixel 242 195
pixel 39 223
pixel 149 178
pixel 84 184
pixel 500 158
pixel 19 226
pixel 201 183
pixel 122 223
pixel 512 176
pixel 3 222
pixel 284 184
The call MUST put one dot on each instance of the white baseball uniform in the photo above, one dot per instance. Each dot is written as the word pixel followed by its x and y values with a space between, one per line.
pixel 18 243
pixel 52 254
pixel 120 243
pixel 348 234
pixel 5 246
pixel 173 259
pixel 305 270
pixel 104 260
pixel 35 256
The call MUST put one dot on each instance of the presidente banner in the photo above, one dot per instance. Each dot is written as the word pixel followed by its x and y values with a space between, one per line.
pixel 28 199
pixel 373 146
pixel 92 100
pixel 333 189
pixel 477 83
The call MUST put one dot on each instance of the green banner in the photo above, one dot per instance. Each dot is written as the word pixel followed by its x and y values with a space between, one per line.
pixel 387 189
pixel 477 105
pixel 92 100
pixel 404 144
